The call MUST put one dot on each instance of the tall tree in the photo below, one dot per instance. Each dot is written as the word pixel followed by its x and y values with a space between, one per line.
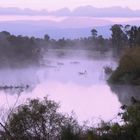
pixel 94 33
pixel 46 37
pixel 118 37
pixel 39 120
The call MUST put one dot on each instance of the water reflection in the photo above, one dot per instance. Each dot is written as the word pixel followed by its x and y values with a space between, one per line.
pixel 78 84
pixel 125 92
pixel 95 101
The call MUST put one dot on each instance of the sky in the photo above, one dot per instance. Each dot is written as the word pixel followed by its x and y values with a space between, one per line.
pixel 71 4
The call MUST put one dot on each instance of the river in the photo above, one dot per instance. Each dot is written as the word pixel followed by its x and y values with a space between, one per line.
pixel 76 81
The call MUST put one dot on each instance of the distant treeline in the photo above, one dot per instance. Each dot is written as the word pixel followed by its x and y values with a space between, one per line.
pixel 18 50
pixel 22 50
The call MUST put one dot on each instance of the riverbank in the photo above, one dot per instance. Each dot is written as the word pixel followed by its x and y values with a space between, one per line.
pixel 128 71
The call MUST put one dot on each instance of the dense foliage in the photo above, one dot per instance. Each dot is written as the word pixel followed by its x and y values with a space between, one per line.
pixel 128 71
pixel 24 51
pixel 41 120
pixel 19 51
pixel 38 120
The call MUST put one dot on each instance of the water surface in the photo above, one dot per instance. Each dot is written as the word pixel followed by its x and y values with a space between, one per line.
pixel 77 83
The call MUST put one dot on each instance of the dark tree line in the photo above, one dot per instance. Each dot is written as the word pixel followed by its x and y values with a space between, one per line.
pixel 18 50
pixel 125 37
pixel 40 120
pixel 22 50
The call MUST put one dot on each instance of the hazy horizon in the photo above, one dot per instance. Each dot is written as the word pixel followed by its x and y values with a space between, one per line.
pixel 72 19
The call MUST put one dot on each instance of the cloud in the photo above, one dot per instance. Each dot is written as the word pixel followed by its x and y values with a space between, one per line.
pixel 83 11
pixel 57 4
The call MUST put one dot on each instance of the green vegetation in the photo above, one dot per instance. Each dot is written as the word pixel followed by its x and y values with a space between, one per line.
pixel 108 70
pixel 40 120
pixel 20 51
pixel 128 71
pixel 124 37
pixel 25 51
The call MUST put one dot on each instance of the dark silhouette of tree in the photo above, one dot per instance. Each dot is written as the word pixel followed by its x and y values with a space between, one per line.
pixel 61 42
pixel 94 33
pixel 138 36
pixel 117 35
pixel 132 36
pixel 46 37
pixel 119 38
pixel 21 51
pixel 40 120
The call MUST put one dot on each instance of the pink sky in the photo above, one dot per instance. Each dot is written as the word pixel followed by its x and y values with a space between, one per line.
pixel 56 4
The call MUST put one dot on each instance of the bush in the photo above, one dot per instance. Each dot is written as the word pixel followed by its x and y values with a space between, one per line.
pixel 40 120
pixel 128 71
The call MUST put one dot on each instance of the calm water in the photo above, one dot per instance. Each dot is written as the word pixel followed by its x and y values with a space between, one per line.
pixel 77 83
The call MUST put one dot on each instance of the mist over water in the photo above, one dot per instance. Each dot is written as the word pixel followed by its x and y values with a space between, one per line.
pixel 75 79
